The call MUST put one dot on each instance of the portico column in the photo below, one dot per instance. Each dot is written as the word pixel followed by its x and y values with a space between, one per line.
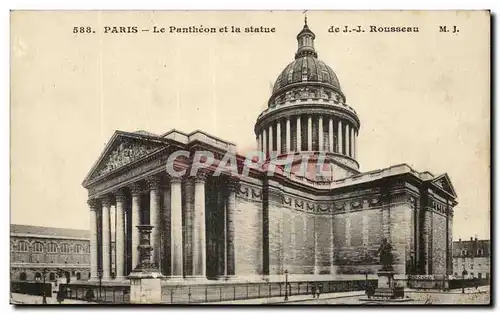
pixel 94 205
pixel 264 143
pixel 120 235
pixel 106 236
pixel 230 211
pixel 347 140
pixel 271 149
pixel 309 133
pixel 136 221
pixel 278 137
pixel 259 142
pixel 176 228
pixel 154 217
pixel 288 147
pixel 339 139
pixel 320 133
pixel 199 252
pixel 330 135
pixel 299 135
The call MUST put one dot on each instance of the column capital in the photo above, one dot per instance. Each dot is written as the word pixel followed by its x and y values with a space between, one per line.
pixel 120 195
pixel 174 179
pixel 153 182
pixel 94 204
pixel 106 201
pixel 136 188
pixel 233 184
pixel 201 177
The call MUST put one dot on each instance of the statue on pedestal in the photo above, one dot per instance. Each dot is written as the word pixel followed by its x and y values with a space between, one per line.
pixel 386 257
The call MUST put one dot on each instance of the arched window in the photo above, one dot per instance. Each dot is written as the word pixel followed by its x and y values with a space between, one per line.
pixel 79 248
pixel 37 247
pixel 52 248
pixel 23 246
pixel 52 276
pixel 87 249
pixel 78 276
pixel 22 276
pixel 65 248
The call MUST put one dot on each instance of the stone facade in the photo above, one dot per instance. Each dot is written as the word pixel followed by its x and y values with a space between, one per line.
pixel 60 252
pixel 254 226
pixel 473 256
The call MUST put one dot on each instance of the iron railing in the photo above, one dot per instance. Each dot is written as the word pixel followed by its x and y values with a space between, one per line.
pixel 116 294
pixel 184 294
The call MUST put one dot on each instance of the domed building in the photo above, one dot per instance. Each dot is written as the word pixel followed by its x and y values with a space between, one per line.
pixel 307 114
pixel 210 223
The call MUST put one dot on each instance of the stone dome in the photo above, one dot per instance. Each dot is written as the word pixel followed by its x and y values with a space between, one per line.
pixel 306 69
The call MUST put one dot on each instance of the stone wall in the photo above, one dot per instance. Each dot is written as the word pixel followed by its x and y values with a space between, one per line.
pixel 248 238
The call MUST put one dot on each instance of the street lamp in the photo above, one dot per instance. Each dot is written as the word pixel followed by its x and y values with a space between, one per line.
pixel 286 284
pixel 99 274
pixel 44 298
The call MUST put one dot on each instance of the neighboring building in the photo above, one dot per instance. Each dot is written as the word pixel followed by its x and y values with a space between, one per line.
pixel 59 251
pixel 257 226
pixel 472 256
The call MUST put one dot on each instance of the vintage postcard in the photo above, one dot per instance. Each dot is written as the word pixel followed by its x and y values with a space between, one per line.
pixel 250 157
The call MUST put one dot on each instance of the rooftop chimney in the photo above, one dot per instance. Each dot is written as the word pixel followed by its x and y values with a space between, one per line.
pixel 459 239
pixel 471 239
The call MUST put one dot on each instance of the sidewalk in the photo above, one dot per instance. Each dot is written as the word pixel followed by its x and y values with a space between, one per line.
pixel 294 298
pixel 18 298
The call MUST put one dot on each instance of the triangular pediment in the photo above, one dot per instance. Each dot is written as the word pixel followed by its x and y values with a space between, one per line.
pixel 444 183
pixel 123 148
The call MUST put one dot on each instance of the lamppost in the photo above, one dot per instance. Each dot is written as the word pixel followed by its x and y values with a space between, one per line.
pixel 286 284
pixel 99 274
pixel 44 300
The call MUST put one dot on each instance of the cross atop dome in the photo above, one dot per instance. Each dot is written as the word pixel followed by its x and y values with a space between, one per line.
pixel 305 40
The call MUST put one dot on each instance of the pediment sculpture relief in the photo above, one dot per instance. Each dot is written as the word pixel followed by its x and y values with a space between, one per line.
pixel 125 152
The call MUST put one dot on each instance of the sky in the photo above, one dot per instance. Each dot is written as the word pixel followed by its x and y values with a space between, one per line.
pixel 422 98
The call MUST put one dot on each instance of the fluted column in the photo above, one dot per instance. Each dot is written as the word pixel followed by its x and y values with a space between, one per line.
pixel 200 251
pixel 264 142
pixel 176 228
pixel 320 133
pixel 95 206
pixel 347 140
pixel 136 221
pixel 278 137
pixel 154 218
pixel 271 149
pixel 339 140
pixel 230 212
pixel 120 235
pixel 106 239
pixel 309 133
pixel 288 135
pixel 330 135
pixel 259 142
pixel 299 135
pixel 189 245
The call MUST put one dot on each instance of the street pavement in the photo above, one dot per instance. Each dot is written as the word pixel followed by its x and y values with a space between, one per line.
pixel 471 296
pixel 18 298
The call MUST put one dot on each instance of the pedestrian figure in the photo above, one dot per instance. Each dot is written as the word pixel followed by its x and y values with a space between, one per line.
pixel 313 290
pixel 318 291
pixel 60 297
pixel 89 295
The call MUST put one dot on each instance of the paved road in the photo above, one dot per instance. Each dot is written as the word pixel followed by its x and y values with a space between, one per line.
pixel 481 296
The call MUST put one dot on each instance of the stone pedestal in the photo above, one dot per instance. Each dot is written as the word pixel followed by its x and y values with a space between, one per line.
pixel 385 284
pixel 145 288
pixel 145 279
